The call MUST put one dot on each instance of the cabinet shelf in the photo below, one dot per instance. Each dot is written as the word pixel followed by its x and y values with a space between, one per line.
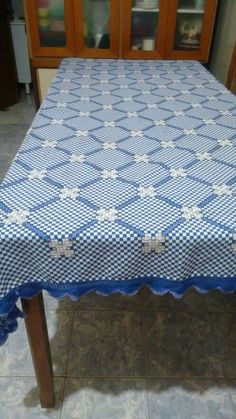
pixel 139 9
pixel 191 11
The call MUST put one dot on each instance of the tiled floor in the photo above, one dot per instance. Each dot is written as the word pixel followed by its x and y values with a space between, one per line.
pixel 123 357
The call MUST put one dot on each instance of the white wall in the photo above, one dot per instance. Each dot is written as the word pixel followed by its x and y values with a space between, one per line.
pixel 224 40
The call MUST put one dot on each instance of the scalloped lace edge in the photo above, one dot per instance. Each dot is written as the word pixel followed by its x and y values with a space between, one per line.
pixel 9 312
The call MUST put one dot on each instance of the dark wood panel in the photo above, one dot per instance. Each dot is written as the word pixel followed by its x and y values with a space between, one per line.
pixel 8 77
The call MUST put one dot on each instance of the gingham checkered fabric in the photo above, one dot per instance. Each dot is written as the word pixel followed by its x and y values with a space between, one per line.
pixel 126 177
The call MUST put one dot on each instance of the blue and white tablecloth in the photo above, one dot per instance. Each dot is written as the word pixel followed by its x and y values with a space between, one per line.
pixel 126 177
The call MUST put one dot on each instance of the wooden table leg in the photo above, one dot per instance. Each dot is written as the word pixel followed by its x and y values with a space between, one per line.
pixel 36 326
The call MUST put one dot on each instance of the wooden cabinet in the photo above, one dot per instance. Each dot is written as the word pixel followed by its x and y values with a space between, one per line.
pixel 173 29
pixel 135 29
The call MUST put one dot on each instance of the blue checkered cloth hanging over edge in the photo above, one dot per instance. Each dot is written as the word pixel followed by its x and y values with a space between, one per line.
pixel 126 177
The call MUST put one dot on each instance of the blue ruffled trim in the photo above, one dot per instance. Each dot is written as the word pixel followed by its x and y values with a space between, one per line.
pixel 9 312
pixel 8 324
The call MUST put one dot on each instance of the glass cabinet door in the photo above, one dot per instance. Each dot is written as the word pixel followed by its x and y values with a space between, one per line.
pixel 51 25
pixel 143 26
pixel 191 24
pixel 97 27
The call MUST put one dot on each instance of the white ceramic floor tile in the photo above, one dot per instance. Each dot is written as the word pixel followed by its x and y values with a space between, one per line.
pixel 19 399
pixel 105 399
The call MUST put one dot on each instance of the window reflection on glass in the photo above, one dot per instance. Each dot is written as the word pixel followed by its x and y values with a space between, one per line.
pixel 144 23
pixel 96 23
pixel 51 23
pixel 189 21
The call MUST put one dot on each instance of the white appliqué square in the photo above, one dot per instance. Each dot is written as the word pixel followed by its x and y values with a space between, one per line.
pixel 17 217
pixel 141 158
pixel 61 248
pixel 153 243
pixel 189 213
pixel 107 214
pixel 70 193
pixel 223 189
pixel 145 192
pixel 109 174
pixel 37 174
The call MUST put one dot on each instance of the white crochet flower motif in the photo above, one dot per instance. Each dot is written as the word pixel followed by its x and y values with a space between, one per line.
pixel 109 146
pixel 37 174
pixel 66 80
pixel 85 114
pixel 161 86
pixel 17 217
pixel 222 189
pixel 152 105
pixel 57 122
pixel 204 156
pixel 85 86
pixel 145 92
pixel 185 92
pixel 131 114
pixel 109 174
pixel 128 99
pixel 159 123
pixel 190 131
pixel 167 144
pixel 136 133
pixel 109 124
pixel 30 131
pixel 107 107
pixel 209 122
pixel 104 81
pixel 81 133
pixel 68 192
pixel 225 143
pixel 61 248
pixel 196 105
pixel 106 92
pixel 107 214
pixel 77 158
pixel 49 144
pixel 178 113
pixel 61 105
pixel 124 86
pixel 199 86
pixel 178 173
pixel 191 212
pixel 64 91
pixel 141 158
pixel 169 98
pixel 153 243
pixel 210 98
pixel 225 113
pixel 146 191
pixel 85 99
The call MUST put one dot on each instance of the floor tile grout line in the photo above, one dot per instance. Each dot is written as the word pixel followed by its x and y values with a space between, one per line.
pixel 148 377
pixel 147 398
pixel 67 366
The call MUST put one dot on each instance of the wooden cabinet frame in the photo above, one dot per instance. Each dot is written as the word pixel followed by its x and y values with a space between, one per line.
pixel 207 27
